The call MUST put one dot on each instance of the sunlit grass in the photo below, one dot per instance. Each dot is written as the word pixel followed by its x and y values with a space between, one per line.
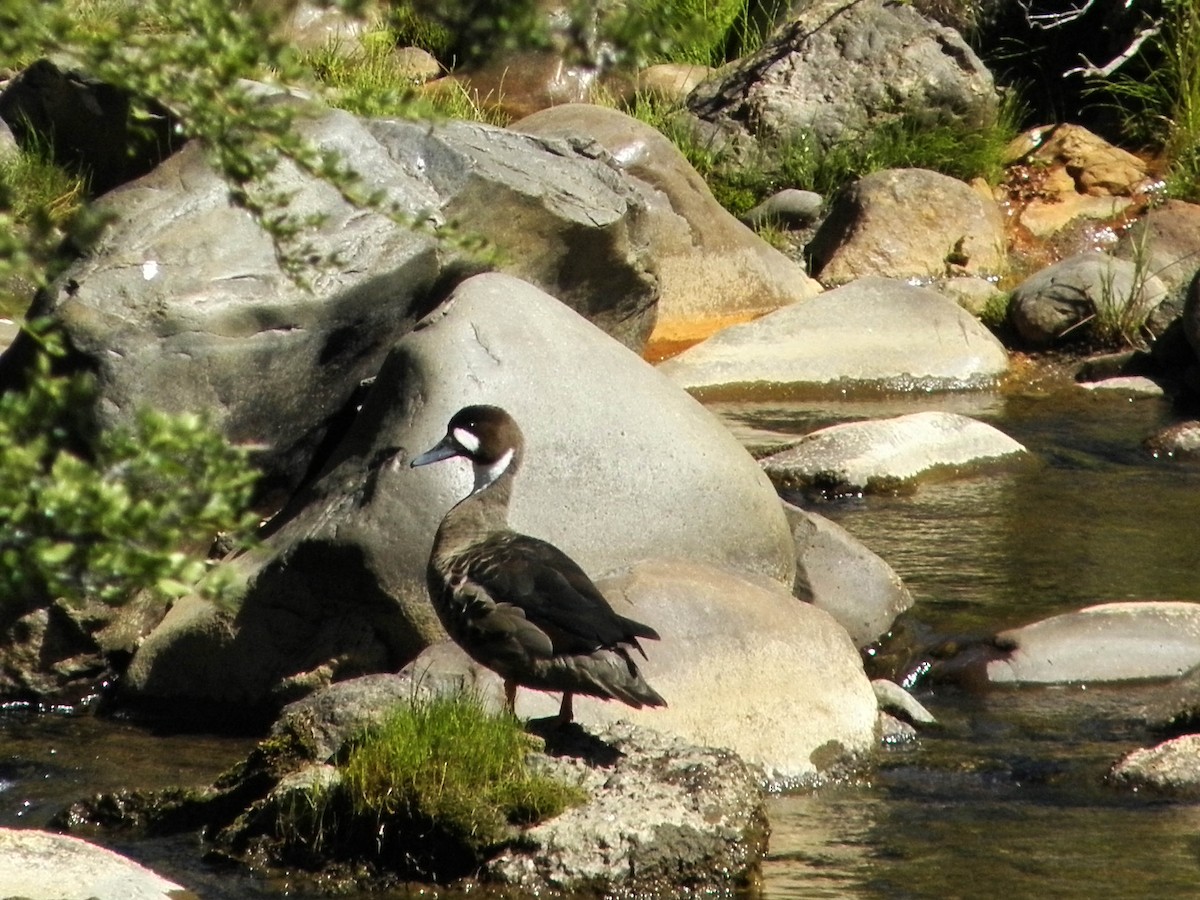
pixel 439 785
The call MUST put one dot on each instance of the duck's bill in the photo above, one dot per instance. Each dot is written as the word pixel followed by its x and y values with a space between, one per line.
pixel 443 450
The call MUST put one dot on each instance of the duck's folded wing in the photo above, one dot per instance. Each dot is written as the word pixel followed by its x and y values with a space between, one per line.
pixel 554 594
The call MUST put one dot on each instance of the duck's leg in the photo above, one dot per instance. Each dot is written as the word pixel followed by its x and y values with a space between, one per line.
pixel 510 695
pixel 565 712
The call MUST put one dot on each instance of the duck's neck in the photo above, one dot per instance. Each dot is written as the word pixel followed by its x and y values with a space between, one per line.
pixel 481 512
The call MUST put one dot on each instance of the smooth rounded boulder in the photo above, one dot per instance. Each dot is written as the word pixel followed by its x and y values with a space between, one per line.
pixel 742 664
pixel 620 465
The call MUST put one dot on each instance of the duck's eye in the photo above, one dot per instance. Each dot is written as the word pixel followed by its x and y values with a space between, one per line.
pixel 468 440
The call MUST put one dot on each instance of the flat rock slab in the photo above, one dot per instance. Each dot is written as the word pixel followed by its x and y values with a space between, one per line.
pixel 874 333
pixel 883 454
pixel 1109 642
pixel 39 865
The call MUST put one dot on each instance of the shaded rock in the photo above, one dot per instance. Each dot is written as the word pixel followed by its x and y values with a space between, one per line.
pixel 1171 769
pixel 1165 241
pixel 38 865
pixel 1180 440
pixel 840 68
pixel 789 208
pixel 712 270
pixel 836 573
pixel 1049 306
pixel 183 306
pixel 909 223
pixel 89 126
pixel 339 588
pixel 883 454
pixel 873 333
pixel 1108 642
pixel 665 819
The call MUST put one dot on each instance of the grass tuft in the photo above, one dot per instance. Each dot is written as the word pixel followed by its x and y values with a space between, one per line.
pixel 432 791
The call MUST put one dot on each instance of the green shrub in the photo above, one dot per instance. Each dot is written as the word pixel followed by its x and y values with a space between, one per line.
pixel 136 511
pixel 433 790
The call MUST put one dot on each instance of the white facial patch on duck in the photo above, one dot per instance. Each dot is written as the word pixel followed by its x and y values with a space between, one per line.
pixel 468 440
pixel 485 475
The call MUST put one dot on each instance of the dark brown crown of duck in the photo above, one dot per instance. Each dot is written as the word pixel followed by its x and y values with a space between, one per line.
pixel 486 433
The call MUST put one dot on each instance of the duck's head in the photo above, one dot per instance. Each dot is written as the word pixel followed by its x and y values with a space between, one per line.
pixel 485 435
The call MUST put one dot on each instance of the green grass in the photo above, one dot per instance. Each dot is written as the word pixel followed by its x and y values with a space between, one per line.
pixel 1158 96
pixel 368 79
pixel 39 203
pixel 433 790
pixel 739 184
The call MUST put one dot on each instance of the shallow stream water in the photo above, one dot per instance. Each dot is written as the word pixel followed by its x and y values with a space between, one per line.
pixel 1005 800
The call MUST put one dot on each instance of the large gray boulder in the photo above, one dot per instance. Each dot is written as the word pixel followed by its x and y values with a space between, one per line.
pixel 621 465
pixel 183 304
pixel 712 269
pixel 841 67
pixel 871 333
pixel 909 224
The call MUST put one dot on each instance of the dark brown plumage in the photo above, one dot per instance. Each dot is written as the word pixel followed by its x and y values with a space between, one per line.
pixel 519 605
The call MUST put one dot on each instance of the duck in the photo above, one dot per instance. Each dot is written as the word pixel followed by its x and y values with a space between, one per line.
pixel 517 604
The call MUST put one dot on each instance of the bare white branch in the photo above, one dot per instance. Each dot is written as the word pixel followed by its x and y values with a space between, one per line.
pixel 1089 70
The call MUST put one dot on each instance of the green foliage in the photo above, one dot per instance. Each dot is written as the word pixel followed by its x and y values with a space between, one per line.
pixel 369 80
pixel 1158 95
pixel 460 32
pixel 194 57
pixel 135 512
pixel 740 183
pixel 678 31
pixel 448 761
